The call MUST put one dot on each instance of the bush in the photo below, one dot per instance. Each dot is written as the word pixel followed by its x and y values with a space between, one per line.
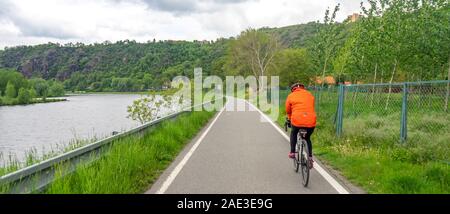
pixel 41 87
pixel 24 96
pixel 96 86
pixel 33 93
pixel 56 90
pixel 10 90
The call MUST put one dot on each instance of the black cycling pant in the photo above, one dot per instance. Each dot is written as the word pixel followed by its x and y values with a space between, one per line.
pixel 294 134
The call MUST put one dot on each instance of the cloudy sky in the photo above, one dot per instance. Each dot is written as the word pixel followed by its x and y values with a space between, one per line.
pixel 25 22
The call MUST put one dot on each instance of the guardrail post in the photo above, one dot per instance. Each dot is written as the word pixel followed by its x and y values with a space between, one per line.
pixel 404 120
pixel 340 111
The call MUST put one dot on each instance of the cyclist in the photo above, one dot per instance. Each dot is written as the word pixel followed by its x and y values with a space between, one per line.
pixel 301 115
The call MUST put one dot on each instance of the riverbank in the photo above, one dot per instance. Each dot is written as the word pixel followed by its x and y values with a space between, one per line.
pixel 132 164
pixel 14 102
pixel 164 92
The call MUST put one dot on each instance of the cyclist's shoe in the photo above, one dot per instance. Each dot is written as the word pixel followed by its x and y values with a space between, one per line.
pixel 310 162
pixel 292 155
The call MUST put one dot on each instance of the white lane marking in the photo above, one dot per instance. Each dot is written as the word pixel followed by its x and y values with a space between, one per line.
pixel 183 162
pixel 336 185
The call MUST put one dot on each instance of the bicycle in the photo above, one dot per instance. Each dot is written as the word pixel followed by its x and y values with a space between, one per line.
pixel 300 157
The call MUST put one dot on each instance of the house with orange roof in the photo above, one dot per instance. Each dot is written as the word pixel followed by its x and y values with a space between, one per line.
pixel 329 80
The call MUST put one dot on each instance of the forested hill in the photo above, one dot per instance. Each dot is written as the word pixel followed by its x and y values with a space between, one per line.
pixel 154 61
pixel 296 36
pixel 120 59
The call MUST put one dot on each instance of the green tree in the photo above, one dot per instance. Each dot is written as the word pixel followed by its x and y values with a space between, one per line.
pixel 96 86
pixel 253 52
pixel 106 84
pixel 32 93
pixel 24 96
pixel 146 108
pixel 293 65
pixel 41 86
pixel 81 86
pixel 324 46
pixel 56 90
pixel 10 90
pixel 16 78
pixel 148 80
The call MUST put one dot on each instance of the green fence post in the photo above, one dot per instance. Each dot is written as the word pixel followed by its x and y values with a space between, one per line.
pixel 340 111
pixel 317 97
pixel 404 120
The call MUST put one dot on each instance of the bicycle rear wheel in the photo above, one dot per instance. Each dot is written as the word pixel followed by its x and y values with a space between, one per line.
pixel 304 163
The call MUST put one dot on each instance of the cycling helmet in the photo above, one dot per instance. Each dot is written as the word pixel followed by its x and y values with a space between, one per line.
pixel 297 85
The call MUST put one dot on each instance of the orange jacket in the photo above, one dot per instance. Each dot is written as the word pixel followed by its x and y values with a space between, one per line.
pixel 300 108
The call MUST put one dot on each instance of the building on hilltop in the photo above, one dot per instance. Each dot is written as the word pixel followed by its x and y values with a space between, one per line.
pixel 354 17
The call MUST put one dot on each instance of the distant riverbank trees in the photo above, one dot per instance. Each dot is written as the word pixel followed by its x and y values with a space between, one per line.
pixel 16 89
pixel 107 67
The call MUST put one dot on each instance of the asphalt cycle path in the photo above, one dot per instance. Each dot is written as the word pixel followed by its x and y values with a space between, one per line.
pixel 240 152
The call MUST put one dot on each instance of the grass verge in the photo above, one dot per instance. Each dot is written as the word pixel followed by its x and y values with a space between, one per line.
pixel 132 164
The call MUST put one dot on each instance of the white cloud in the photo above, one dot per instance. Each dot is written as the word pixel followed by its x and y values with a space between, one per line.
pixel 24 22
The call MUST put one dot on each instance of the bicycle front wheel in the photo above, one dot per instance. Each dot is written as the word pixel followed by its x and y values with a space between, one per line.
pixel 304 164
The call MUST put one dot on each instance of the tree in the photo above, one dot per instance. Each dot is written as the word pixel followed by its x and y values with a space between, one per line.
pixel 121 84
pixel 10 90
pixel 16 78
pixel 81 86
pixel 147 80
pixel 32 93
pixel 41 87
pixel 253 52
pixel 293 65
pixel 147 108
pixel 56 90
pixel 325 44
pixel 96 86
pixel 24 96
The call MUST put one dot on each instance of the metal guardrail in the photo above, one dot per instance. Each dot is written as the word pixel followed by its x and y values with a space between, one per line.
pixel 36 177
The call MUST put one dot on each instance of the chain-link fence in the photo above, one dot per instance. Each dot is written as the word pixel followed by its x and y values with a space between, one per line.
pixel 326 100
pixel 413 111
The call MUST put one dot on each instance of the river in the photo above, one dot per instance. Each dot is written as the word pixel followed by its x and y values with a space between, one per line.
pixel 48 126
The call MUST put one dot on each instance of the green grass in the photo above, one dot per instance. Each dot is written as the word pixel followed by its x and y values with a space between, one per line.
pixel 131 165
pixel 11 163
pixel 370 154
pixel 385 166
